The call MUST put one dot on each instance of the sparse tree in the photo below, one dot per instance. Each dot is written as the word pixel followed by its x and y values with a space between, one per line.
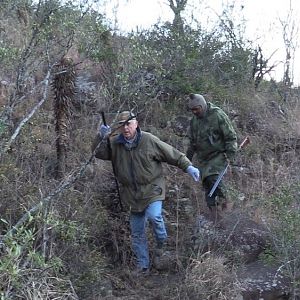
pixel 64 89
pixel 260 66
pixel 290 30
pixel 178 6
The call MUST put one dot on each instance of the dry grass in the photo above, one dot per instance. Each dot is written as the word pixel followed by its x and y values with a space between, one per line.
pixel 209 278
pixel 270 161
pixel 47 288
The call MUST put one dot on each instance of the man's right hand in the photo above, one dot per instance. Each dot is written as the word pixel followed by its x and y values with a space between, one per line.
pixel 104 131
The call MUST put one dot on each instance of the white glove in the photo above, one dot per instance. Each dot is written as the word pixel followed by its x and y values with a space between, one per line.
pixel 194 173
pixel 104 131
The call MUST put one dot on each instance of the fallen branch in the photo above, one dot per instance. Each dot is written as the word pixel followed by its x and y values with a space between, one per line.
pixel 29 116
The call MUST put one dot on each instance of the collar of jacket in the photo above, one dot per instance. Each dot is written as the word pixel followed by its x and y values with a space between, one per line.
pixel 121 140
pixel 208 111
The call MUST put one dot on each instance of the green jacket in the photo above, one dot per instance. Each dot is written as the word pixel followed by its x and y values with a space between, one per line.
pixel 213 140
pixel 139 169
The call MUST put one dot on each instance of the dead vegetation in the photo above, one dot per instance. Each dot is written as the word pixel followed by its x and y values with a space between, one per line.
pixel 64 237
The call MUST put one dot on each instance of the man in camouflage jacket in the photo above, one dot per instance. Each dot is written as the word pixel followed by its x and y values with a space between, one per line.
pixel 214 141
pixel 137 157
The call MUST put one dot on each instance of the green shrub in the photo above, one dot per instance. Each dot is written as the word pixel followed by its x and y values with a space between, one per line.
pixel 284 222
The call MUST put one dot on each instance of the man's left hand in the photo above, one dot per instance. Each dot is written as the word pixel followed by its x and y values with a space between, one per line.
pixel 194 173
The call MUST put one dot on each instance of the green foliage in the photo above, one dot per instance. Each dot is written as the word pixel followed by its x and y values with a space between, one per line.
pixel 285 208
pixel 8 54
pixel 11 259
pixel 285 227
pixel 183 62
pixel 68 231
pixel 94 38
pixel 22 258
pixel 54 22
pixel 268 255
pixel 2 127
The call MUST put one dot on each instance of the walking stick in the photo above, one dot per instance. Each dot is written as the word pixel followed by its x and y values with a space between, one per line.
pixel 112 163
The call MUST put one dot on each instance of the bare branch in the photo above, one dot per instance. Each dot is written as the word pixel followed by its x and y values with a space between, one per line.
pixel 65 184
pixel 29 116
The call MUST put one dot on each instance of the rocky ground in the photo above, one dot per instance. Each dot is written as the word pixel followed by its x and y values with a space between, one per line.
pixel 232 246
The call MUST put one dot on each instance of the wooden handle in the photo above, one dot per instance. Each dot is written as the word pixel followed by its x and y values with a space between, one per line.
pixel 245 142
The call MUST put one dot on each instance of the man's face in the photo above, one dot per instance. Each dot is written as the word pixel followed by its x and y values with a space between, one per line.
pixel 128 129
pixel 198 111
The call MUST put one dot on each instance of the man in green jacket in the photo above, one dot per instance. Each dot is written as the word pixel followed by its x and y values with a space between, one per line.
pixel 137 157
pixel 214 141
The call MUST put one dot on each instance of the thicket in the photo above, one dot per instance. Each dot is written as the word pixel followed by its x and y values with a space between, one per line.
pixel 61 235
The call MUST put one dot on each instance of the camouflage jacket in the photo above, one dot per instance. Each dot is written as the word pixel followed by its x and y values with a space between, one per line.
pixel 213 140
pixel 139 168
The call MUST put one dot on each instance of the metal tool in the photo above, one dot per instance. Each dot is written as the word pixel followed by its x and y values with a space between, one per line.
pixel 244 143
pixel 221 175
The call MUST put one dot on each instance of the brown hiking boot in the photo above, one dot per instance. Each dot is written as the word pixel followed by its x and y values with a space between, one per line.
pixel 221 202
pixel 140 272
pixel 224 205
pixel 159 249
pixel 158 252
pixel 162 259
pixel 215 216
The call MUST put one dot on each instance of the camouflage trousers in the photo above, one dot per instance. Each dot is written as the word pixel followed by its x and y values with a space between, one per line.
pixel 219 196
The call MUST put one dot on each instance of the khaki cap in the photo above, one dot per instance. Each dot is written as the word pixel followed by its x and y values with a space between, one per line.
pixel 125 116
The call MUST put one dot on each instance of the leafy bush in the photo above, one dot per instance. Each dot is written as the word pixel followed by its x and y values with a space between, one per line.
pixel 26 272
pixel 8 54
pixel 284 221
